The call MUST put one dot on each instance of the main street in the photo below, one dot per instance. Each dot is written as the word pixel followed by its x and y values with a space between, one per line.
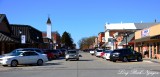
pixel 88 66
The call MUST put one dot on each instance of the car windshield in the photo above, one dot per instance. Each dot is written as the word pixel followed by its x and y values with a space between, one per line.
pixel 99 50
pixel 71 52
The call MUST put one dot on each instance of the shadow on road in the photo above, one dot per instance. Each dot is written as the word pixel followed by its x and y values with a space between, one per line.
pixel 85 60
pixel 48 64
pixel 82 60
pixel 132 61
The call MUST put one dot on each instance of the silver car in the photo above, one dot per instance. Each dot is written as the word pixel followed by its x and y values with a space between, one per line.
pixel 72 54
pixel 23 57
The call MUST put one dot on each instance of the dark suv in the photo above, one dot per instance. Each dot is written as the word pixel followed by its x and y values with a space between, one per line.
pixel 125 55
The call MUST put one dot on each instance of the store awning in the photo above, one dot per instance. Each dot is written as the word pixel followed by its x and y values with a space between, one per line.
pixel 128 39
pixel 155 37
pixel 5 38
pixel 147 38
pixel 142 39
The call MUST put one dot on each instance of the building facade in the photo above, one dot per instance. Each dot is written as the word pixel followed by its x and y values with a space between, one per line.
pixel 101 39
pixel 120 35
pixel 147 41
pixel 55 38
pixel 14 36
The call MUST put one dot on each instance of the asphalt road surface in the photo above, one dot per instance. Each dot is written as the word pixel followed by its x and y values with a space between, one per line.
pixel 88 66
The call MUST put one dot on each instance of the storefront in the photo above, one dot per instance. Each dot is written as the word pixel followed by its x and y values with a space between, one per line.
pixel 147 42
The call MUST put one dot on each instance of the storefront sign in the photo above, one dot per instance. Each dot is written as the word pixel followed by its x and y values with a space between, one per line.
pixel 23 39
pixel 145 33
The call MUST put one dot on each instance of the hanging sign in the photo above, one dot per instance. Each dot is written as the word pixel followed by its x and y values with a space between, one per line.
pixel 145 33
pixel 23 39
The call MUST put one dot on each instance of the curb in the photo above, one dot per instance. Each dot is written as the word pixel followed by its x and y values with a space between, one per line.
pixel 152 60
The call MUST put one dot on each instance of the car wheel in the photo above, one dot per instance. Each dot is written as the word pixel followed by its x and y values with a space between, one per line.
pixel 139 58
pixel 49 59
pixel 4 65
pixel 66 59
pixel 114 60
pixel 40 62
pixel 125 59
pixel 78 59
pixel 14 63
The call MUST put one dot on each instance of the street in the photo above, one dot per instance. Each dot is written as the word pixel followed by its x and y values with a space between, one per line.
pixel 87 66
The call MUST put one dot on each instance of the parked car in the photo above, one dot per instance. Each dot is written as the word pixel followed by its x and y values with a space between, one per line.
pixel 92 51
pixel 23 57
pixel 106 54
pixel 56 53
pixel 63 51
pixel 102 53
pixel 125 55
pixel 60 52
pixel 98 52
pixel 50 54
pixel 72 54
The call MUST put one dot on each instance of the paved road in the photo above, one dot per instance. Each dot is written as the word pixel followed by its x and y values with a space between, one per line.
pixel 88 66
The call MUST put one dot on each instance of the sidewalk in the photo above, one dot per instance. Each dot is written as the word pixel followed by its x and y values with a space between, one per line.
pixel 152 60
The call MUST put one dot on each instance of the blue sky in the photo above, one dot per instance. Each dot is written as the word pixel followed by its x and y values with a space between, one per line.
pixel 81 18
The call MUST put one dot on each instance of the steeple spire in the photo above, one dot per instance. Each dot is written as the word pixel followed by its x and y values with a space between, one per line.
pixel 48 21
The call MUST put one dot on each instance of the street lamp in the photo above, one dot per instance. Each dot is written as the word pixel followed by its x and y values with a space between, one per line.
pixel 37 38
pixel 126 35
pixel 37 42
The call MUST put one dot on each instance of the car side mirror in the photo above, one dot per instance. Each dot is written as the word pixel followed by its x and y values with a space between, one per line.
pixel 80 55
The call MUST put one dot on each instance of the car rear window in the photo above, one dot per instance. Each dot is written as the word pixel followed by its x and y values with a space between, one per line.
pixel 99 50
pixel 71 52
pixel 116 51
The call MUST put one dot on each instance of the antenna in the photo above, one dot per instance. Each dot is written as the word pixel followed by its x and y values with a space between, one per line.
pixel 48 15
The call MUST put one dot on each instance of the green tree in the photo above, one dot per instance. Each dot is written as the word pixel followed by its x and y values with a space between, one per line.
pixel 67 40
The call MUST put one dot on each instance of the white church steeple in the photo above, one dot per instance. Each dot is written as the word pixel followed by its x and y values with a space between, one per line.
pixel 49 28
